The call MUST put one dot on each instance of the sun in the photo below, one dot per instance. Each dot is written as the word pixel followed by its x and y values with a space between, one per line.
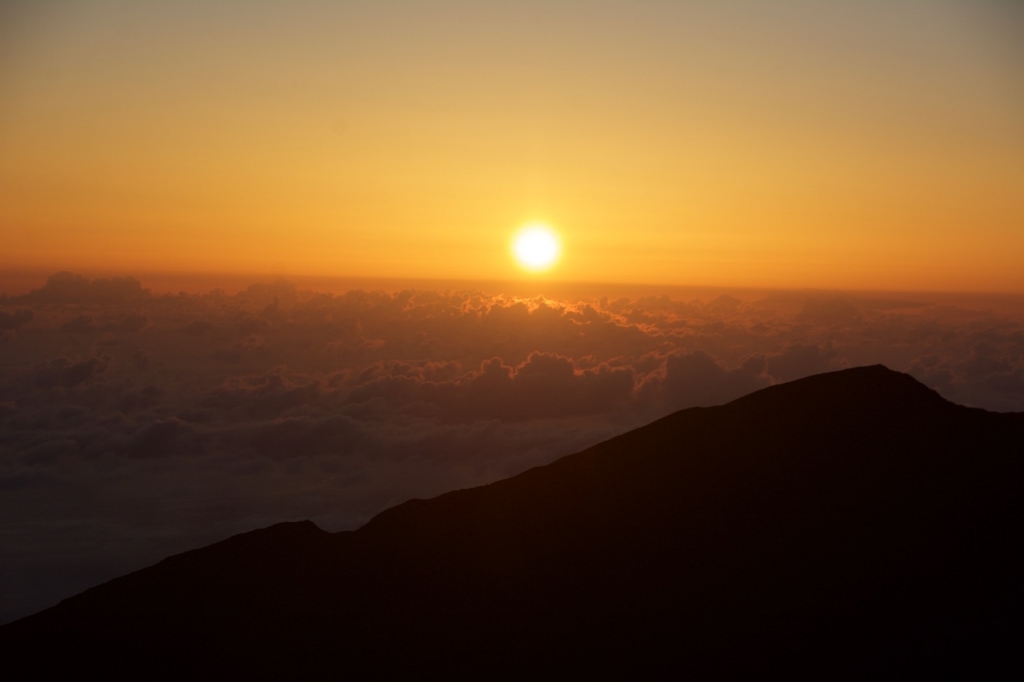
pixel 536 247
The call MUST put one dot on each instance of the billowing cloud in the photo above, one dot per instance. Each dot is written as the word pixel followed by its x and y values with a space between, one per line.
pixel 12 320
pixel 67 287
pixel 63 373
pixel 78 325
pixel 696 379
pixel 800 360
pixel 544 385
pixel 134 425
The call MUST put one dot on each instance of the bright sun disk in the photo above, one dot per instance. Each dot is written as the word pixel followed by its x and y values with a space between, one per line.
pixel 536 247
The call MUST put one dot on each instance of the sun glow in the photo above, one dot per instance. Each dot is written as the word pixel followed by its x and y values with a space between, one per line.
pixel 536 247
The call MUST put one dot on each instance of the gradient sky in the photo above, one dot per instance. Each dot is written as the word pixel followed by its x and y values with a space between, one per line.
pixel 810 144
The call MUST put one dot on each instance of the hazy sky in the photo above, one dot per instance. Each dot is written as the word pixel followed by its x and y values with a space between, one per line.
pixel 822 144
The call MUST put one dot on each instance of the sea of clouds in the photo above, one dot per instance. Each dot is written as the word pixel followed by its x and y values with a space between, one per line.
pixel 135 425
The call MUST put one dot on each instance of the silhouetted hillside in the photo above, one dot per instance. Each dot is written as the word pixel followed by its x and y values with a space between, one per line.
pixel 849 523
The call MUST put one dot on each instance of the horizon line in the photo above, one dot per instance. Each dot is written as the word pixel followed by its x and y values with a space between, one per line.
pixel 25 280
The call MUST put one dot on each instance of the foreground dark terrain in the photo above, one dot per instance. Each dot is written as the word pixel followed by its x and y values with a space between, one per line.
pixel 847 524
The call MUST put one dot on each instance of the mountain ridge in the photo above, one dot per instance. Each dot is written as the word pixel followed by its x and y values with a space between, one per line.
pixel 790 529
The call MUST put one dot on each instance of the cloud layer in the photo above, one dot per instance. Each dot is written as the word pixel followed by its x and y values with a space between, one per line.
pixel 135 425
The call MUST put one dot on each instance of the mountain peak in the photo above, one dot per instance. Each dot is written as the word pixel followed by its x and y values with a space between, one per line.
pixel 847 524
pixel 871 387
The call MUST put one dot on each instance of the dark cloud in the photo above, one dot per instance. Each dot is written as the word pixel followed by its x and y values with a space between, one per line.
pixel 63 287
pixel 305 437
pixel 133 322
pixel 160 438
pixel 67 287
pixel 50 451
pixel 79 325
pixel 1010 383
pixel 11 321
pixel 196 327
pixel 250 324
pixel 543 385
pixel 829 311
pixel 985 359
pixel 695 379
pixel 933 371
pixel 262 397
pixel 142 399
pixel 546 385
pixel 232 354
pixel 24 478
pixel 801 360
pixel 66 374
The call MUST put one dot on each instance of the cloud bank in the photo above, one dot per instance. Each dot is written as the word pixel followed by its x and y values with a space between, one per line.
pixel 135 425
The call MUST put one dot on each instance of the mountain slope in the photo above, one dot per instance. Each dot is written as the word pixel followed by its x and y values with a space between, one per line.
pixel 848 522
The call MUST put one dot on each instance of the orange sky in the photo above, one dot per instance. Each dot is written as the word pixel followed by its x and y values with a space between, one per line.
pixel 808 144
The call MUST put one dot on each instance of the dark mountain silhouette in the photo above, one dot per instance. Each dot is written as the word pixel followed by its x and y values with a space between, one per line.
pixel 848 524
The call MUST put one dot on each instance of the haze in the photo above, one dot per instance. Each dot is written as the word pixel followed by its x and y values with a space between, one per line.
pixel 863 145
